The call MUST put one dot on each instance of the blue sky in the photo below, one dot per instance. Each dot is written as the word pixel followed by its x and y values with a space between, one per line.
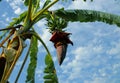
pixel 95 56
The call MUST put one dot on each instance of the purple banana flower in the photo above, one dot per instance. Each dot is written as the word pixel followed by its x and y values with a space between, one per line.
pixel 61 41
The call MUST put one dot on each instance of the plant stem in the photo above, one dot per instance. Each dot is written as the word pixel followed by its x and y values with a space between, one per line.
pixel 22 65
pixel 27 22
pixel 28 17
pixel 11 33
pixel 18 26
pixel 7 28
pixel 43 10
pixel 36 35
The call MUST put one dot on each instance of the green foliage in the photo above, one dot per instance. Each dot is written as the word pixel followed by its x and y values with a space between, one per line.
pixel 33 61
pixel 26 2
pixel 34 2
pixel 19 19
pixel 46 3
pixel 88 16
pixel 40 17
pixel 15 21
pixel 36 7
pixel 50 72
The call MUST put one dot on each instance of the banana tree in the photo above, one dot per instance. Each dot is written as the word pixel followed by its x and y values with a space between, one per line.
pixel 15 43
pixel 22 28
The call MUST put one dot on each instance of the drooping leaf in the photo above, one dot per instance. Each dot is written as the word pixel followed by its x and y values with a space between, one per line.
pixel 50 72
pixel 33 61
pixel 19 19
pixel 14 22
pixel 88 16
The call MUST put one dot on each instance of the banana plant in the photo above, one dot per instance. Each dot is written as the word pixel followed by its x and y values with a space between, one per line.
pixel 14 44
pixel 22 28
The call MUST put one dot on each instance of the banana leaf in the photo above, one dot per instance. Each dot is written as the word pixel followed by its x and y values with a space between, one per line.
pixel 19 19
pixel 33 61
pixel 49 71
pixel 88 16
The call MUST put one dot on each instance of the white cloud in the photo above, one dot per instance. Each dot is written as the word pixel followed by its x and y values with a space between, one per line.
pixel 18 11
pixel 7 19
pixel 90 62
pixel 39 72
pixel 17 6
pixel 79 4
pixel 4 15
pixel 115 49
pixel 15 3
pixel 97 80
pixel 96 5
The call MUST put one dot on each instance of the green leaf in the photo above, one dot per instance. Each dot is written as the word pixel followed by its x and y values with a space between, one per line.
pixel 19 19
pixel 34 2
pixel 46 3
pixel 50 72
pixel 26 2
pixel 33 61
pixel 88 16
pixel 14 22
pixel 49 81
pixel 48 60
pixel 36 7
pixel 49 76
pixel 40 17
